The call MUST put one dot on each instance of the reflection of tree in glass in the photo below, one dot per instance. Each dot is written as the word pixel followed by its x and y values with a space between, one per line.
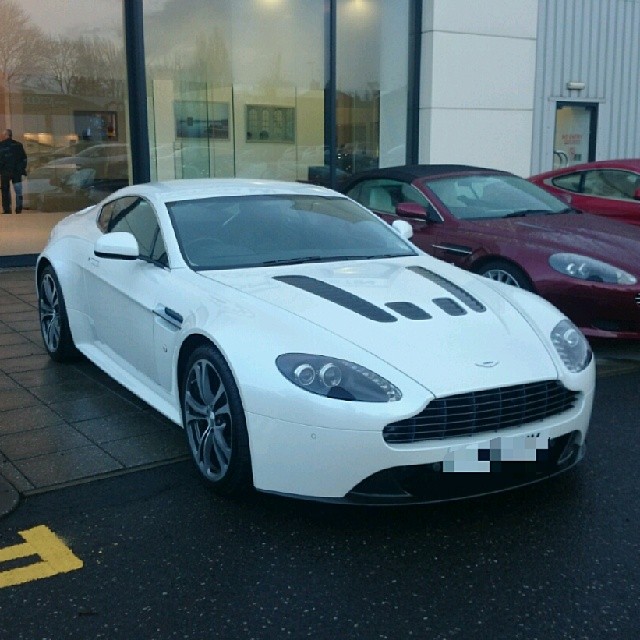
pixel 85 66
pixel 72 66
pixel 20 40
pixel 211 59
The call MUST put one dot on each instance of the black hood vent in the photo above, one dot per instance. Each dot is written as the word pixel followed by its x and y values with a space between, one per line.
pixel 450 306
pixel 338 296
pixel 409 310
pixel 456 291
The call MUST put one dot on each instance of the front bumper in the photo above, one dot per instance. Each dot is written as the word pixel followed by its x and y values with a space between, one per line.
pixel 341 465
pixel 430 483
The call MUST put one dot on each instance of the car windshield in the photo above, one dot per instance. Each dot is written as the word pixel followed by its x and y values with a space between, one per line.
pixel 230 232
pixel 470 197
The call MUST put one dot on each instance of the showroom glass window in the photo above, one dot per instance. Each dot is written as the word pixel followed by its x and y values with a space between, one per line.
pixel 372 83
pixel 62 92
pixel 237 87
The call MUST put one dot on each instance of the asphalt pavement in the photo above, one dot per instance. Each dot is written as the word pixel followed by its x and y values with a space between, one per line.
pixel 64 424
pixel 159 556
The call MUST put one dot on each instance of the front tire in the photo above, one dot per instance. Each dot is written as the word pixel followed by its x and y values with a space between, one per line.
pixel 214 422
pixel 507 273
pixel 54 321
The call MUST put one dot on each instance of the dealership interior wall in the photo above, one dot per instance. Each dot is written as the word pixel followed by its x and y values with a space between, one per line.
pixel 309 90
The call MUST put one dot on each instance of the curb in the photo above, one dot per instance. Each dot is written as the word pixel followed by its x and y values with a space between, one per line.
pixel 9 497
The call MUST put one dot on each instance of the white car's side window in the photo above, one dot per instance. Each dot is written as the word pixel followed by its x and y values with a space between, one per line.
pixel 137 216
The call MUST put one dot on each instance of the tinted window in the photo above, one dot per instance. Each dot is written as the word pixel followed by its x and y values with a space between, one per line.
pixel 112 209
pixel 139 219
pixel 570 182
pixel 232 232
pixel 611 184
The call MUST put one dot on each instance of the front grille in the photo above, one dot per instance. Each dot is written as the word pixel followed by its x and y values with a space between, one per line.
pixel 488 410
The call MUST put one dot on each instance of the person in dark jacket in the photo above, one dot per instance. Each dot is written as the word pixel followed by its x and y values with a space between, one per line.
pixel 13 165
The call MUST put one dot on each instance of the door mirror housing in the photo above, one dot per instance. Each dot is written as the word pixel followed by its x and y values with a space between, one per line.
pixel 403 228
pixel 411 210
pixel 119 245
pixel 417 211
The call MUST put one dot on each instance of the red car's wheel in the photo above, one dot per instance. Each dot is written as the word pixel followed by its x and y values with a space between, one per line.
pixel 507 273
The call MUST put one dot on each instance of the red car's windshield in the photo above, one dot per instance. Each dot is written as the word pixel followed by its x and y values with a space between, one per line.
pixel 493 196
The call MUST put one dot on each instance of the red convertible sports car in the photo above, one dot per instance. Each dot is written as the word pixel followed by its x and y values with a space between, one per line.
pixel 608 188
pixel 508 229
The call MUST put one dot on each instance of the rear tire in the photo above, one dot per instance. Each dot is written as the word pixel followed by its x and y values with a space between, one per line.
pixel 54 321
pixel 214 423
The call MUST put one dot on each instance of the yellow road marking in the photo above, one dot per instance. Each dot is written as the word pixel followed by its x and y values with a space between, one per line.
pixel 55 557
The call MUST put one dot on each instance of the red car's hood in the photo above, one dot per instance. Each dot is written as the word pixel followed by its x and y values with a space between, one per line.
pixel 584 234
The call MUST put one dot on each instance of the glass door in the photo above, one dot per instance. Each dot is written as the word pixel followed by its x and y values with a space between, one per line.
pixel 575 136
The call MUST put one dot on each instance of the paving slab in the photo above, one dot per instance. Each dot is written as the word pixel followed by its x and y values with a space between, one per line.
pixel 62 424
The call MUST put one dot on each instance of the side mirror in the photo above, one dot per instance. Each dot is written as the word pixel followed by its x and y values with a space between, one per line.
pixel 119 245
pixel 411 210
pixel 636 194
pixel 417 211
pixel 403 228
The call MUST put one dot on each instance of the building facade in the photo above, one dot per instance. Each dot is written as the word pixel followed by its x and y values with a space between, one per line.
pixel 107 93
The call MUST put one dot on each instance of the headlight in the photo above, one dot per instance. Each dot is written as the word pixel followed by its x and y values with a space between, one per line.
pixel 571 346
pixel 335 378
pixel 585 268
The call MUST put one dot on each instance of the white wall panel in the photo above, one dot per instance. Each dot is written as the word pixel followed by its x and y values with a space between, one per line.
pixel 511 18
pixel 482 72
pixel 478 82
pixel 496 139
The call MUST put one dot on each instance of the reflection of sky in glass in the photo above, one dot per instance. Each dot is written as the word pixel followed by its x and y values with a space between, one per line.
pixel 77 18
pixel 266 40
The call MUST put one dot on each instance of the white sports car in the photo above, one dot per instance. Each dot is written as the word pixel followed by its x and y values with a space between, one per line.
pixel 309 349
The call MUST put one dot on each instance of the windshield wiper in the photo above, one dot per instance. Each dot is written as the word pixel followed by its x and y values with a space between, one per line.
pixel 527 212
pixel 272 263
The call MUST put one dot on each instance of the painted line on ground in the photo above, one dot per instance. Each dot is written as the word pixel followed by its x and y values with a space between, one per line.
pixel 54 557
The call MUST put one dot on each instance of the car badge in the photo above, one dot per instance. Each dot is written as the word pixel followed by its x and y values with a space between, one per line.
pixel 487 364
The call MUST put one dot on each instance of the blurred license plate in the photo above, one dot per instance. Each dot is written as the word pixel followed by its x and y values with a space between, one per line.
pixel 477 457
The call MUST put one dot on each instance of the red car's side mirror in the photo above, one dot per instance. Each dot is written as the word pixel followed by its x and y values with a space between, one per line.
pixel 415 210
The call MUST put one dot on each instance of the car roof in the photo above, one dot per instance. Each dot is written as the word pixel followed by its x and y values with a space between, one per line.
pixel 632 164
pixel 192 189
pixel 411 172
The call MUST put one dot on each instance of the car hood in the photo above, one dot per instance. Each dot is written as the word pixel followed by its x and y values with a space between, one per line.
pixel 450 332
pixel 584 234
